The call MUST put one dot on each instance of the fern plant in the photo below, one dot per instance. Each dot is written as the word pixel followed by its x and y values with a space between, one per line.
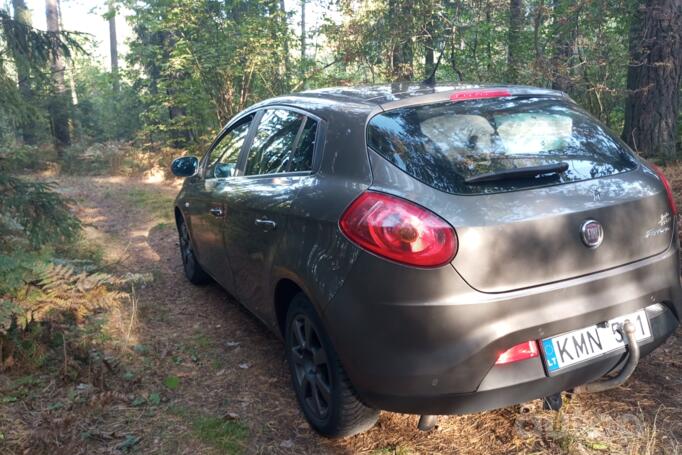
pixel 62 289
pixel 59 293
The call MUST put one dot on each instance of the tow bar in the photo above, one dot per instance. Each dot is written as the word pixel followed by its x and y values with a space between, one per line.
pixel 625 373
pixel 428 422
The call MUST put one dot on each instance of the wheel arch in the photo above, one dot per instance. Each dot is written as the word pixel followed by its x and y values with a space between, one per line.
pixel 285 290
pixel 179 216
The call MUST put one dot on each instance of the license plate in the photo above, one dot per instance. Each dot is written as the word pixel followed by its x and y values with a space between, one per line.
pixel 580 345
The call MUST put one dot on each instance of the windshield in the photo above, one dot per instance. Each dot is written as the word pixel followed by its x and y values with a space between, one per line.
pixel 444 144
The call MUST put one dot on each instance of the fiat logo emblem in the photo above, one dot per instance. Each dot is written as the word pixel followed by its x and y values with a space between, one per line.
pixel 592 233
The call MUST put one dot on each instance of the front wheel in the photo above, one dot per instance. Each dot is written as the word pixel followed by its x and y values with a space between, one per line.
pixel 193 271
pixel 322 387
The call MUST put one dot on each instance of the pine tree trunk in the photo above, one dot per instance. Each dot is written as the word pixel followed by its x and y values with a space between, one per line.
pixel 23 16
pixel 565 36
pixel 402 67
pixel 59 102
pixel 654 78
pixel 429 63
pixel 113 46
pixel 285 45
pixel 514 39
pixel 303 43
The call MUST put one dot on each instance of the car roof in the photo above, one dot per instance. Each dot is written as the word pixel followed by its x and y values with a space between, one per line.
pixel 389 94
pixel 376 98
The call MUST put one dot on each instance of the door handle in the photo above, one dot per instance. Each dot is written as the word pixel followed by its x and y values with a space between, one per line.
pixel 217 211
pixel 267 225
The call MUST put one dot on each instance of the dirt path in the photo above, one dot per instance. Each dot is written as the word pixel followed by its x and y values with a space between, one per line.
pixel 211 379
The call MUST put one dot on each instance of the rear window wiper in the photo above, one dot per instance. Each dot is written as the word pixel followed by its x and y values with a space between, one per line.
pixel 519 173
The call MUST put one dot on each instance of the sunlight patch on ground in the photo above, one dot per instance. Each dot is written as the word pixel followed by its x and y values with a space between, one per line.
pixel 112 179
pixel 90 215
pixel 156 175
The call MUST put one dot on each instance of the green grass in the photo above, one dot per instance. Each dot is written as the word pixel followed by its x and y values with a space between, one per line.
pixel 202 341
pixel 163 225
pixel 157 204
pixel 172 382
pixel 82 249
pixel 228 436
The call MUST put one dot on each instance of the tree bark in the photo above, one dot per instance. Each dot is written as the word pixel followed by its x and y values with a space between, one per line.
pixel 303 43
pixel 429 63
pixel 113 46
pixel 654 77
pixel 23 16
pixel 402 53
pixel 285 44
pixel 59 102
pixel 514 40
pixel 565 36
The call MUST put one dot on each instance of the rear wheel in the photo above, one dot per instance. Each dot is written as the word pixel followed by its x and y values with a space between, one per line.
pixel 322 388
pixel 193 271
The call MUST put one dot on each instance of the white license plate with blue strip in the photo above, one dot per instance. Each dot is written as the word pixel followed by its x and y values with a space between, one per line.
pixel 578 346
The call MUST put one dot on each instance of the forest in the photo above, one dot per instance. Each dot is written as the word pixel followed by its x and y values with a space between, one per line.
pixel 86 227
pixel 191 65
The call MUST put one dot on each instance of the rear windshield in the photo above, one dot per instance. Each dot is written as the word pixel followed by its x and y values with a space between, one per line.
pixel 445 144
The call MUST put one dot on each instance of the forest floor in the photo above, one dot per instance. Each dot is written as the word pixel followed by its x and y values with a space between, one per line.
pixel 196 374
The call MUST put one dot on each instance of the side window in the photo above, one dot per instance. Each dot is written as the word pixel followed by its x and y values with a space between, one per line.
pixel 224 156
pixel 274 141
pixel 303 155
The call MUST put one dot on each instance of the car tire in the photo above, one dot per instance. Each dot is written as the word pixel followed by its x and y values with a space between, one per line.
pixel 324 392
pixel 193 271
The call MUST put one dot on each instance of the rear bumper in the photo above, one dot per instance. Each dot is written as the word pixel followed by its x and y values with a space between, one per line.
pixel 519 382
pixel 424 342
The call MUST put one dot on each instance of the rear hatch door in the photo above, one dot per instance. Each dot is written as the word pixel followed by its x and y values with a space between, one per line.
pixel 518 232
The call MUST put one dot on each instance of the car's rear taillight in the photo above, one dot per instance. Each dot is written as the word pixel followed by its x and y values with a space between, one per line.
pixel 399 230
pixel 668 188
pixel 522 351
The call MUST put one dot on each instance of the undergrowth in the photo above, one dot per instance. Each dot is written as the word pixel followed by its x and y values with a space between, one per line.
pixel 52 283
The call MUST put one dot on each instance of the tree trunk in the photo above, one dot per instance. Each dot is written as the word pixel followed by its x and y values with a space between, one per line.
pixel 654 78
pixel 285 44
pixel 23 16
pixel 303 66
pixel 113 46
pixel 489 38
pixel 514 39
pixel 429 73
pixel 565 36
pixel 59 102
pixel 537 25
pixel 402 53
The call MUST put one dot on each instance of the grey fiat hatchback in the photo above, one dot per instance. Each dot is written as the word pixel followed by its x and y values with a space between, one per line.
pixel 435 250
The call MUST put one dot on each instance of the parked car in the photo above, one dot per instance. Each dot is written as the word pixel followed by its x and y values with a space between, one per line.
pixel 434 250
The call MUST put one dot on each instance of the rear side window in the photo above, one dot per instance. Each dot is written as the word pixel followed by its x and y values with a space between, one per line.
pixel 445 144
pixel 274 142
pixel 302 159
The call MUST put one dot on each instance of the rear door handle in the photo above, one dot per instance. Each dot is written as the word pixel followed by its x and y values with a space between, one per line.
pixel 217 211
pixel 267 225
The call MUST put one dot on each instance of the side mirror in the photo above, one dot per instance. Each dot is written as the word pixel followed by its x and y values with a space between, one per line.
pixel 185 166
